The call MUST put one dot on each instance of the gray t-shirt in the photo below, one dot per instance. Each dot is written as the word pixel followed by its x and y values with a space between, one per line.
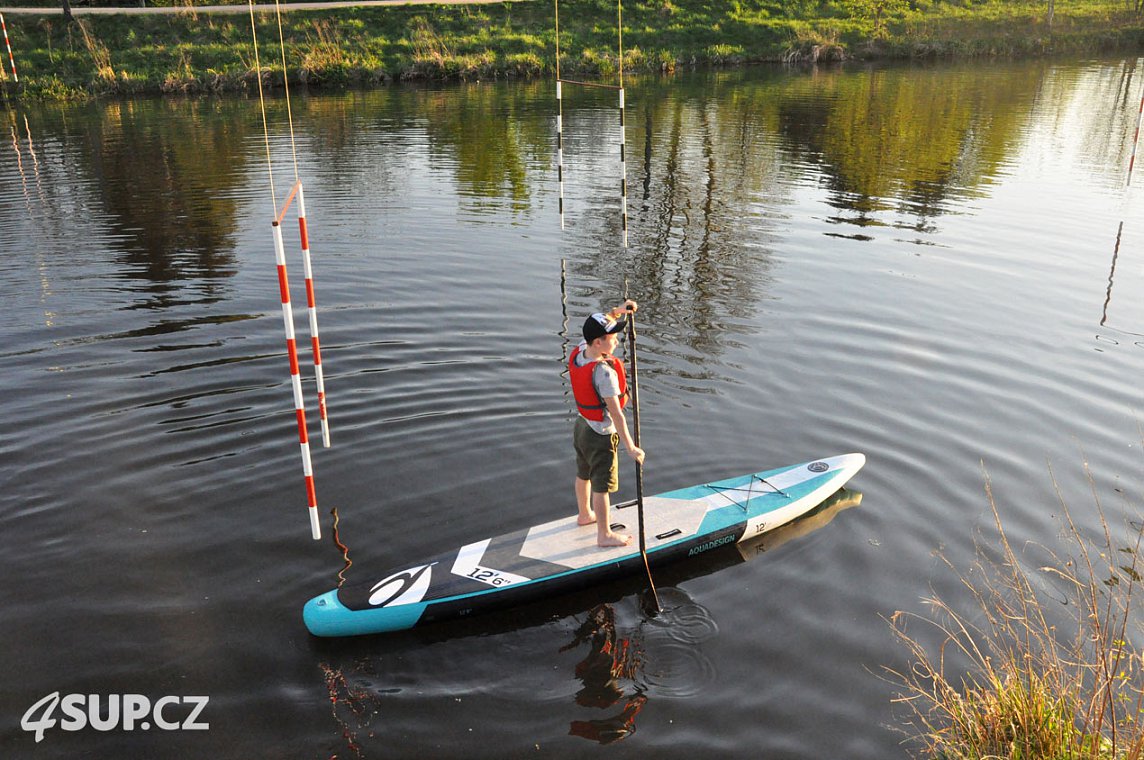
pixel 607 384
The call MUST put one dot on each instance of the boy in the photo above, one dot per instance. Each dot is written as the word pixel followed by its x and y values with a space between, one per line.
pixel 600 386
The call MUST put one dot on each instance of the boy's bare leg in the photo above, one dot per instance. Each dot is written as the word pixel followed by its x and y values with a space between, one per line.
pixel 604 534
pixel 586 515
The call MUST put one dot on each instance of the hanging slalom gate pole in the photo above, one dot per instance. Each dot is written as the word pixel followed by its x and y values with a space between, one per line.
pixel 559 119
pixel 296 381
pixel 8 45
pixel 305 241
pixel 623 138
pixel 313 310
pixel 284 291
pixel 639 466
pixel 560 147
pixel 623 173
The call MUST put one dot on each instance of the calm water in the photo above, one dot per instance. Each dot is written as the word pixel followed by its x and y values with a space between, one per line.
pixel 913 263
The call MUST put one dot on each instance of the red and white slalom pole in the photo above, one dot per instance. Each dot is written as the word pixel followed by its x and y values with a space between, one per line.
pixel 311 306
pixel 8 45
pixel 296 381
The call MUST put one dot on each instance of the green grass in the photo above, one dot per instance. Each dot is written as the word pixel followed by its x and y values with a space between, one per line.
pixel 198 52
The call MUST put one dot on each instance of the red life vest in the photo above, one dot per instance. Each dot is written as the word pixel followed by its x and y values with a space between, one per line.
pixel 588 399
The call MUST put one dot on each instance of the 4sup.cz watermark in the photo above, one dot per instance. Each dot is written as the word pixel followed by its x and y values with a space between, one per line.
pixel 114 712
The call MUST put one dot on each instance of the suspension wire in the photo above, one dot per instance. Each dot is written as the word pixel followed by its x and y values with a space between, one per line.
pixel 600 85
pixel 286 88
pixel 262 107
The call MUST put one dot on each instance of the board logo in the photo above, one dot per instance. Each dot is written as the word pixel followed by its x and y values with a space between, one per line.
pixel 710 545
pixel 405 587
pixel 818 467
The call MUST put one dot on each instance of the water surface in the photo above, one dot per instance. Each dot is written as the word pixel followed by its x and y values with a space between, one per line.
pixel 917 263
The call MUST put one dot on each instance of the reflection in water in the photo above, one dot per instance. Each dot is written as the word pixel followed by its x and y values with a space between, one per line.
pixel 1093 110
pixel 905 141
pixel 353 706
pixel 1125 89
pixel 610 659
pixel 1111 275
pixel 166 191
pixel 1122 311
pixel 818 518
pixel 490 140
pixel 41 269
pixel 738 171
pixel 723 154
pixel 609 730
pixel 154 181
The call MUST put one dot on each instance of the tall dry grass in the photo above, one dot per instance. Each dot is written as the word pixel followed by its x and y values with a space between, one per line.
pixel 1042 665
pixel 100 55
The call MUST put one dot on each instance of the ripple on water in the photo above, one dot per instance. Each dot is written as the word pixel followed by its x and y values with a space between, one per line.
pixel 672 662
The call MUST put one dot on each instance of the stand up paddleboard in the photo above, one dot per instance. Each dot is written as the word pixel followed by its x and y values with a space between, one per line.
pixel 561 556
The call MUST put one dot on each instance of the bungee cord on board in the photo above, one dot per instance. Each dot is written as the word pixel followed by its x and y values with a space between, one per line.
pixel 283 280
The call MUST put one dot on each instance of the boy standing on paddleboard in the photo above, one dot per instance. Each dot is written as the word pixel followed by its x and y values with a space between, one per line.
pixel 600 388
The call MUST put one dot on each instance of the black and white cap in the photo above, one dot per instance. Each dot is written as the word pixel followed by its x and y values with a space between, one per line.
pixel 599 325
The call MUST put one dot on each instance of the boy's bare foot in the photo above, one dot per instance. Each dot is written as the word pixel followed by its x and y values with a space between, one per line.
pixel 613 539
pixel 587 518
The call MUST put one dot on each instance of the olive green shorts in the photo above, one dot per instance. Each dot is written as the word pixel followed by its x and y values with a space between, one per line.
pixel 596 457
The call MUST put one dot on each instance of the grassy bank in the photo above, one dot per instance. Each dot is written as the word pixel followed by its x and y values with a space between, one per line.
pixel 198 52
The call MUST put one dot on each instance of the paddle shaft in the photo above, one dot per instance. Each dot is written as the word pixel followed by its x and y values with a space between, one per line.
pixel 636 438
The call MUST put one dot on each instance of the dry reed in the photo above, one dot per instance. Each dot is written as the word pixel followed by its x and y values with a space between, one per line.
pixel 1024 675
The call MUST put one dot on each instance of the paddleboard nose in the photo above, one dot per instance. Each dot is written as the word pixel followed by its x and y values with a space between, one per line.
pixel 322 613
pixel 325 615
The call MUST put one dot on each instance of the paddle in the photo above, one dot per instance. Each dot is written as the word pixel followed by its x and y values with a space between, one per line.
pixel 639 466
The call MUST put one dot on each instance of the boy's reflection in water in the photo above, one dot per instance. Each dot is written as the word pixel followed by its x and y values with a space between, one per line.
pixel 610 659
